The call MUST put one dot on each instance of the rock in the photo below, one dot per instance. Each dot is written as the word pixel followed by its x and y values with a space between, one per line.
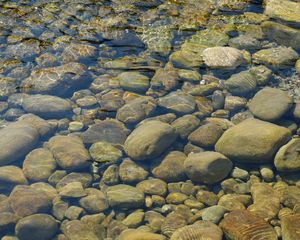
pixel 241 83
pixel 43 127
pixel 134 220
pixel 207 167
pixel 290 227
pixel 213 214
pixel 176 198
pixel 153 187
pixel 241 224
pixel 84 178
pixel 252 141
pixel 130 172
pixel 185 125
pixel 25 200
pixel 206 135
pixel 11 176
pixel 8 221
pixel 240 173
pixel 222 57
pixel 170 168
pixel 69 152
pixel 16 140
pixel 79 230
pixel 134 81
pixel 78 51
pixel 231 202
pixel 136 110
pixel 199 230
pixel 39 164
pixel 149 140
pixel 109 130
pixel 7 86
pixel 235 186
pixel 178 102
pixel 111 175
pixel 287 159
pixel 262 74
pixel 46 188
pixel 74 212
pixel 189 75
pixel 284 10
pixel 94 202
pixel 105 152
pixel 277 101
pixel 206 197
pixel 234 103
pixel 135 234
pixel 37 226
pixel 244 42
pixel 298 66
pixel 278 57
pixel 72 190
pixel 125 197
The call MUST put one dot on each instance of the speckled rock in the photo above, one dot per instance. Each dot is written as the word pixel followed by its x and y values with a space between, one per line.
pixel 149 140
pixel 11 176
pixel 78 51
pixel 252 141
pixel 7 86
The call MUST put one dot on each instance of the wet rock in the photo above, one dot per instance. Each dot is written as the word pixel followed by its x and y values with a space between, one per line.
pixel 8 221
pixel 149 140
pixel 134 81
pixel 23 50
pixel 79 230
pixel 207 167
pixel 130 172
pixel 244 42
pixel 74 212
pixel 290 227
pixel 134 219
pixel 287 159
pixel 39 164
pixel 167 77
pixel 279 57
pixel 252 141
pixel 298 66
pixel 94 202
pixel 198 230
pixel 213 214
pixel 153 187
pixel 37 226
pixel 206 197
pixel 234 103
pixel 241 224
pixel 47 106
pixel 231 202
pixel 262 74
pixel 84 178
pixel 235 186
pixel 189 75
pixel 78 51
pixel 178 102
pixel 170 168
pixel 105 152
pixel 125 197
pixel 43 127
pixel 25 200
pixel 185 125
pixel 222 57
pixel 72 190
pixel 176 198
pixel 134 234
pixel 69 152
pixel 240 173
pixel 136 110
pixel 277 101
pixel 241 83
pixel 111 175
pixel 11 176
pixel 7 87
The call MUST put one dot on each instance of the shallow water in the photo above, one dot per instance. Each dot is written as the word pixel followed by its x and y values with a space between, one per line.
pixel 149 115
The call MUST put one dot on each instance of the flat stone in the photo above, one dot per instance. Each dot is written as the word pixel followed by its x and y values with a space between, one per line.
pixel 252 141
pixel 130 172
pixel 134 81
pixel 149 140
pixel 72 190
pixel 134 234
pixel 105 152
pixel 185 125
pixel 213 214
pixel 79 230
pixel 94 202
pixel 78 51
pixel 275 100
pixel 153 187
pixel 11 176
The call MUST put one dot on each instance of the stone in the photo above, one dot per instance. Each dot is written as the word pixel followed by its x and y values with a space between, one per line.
pixel 235 186
pixel 10 176
pixel 135 219
pixel 231 202
pixel 47 106
pixel 79 230
pixel 84 178
pixel 69 152
pixel 16 140
pixel 189 75
pixel 178 102
pixel 287 159
pixel 213 214
pixel 149 140
pixel 262 74
pixel 234 103
pixel 185 125
pixel 275 100
pixel 244 42
pixel 241 224
pixel 153 187
pixel 278 57
pixel 72 190
pixel 252 141
pixel 134 81
pixel 298 66
pixel 170 168
pixel 104 152
pixel 176 198
pixel 94 202
pixel 111 175
pixel 25 201
pixel 78 51
pixel 8 221
pixel 74 212
pixel 207 167
pixel 290 227
pixel 7 86
pixel 37 226
pixel 130 172
pixel 125 197
pixel 206 197
pixel 75 126
pixel 135 234
pixel 46 188
pixel 39 164
pixel 222 57
pixel 136 110
pixel 240 174
pixel 43 127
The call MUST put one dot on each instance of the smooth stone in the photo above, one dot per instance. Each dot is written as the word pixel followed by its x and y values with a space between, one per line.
pixel 252 141
pixel 10 176
pixel 170 167
pixel 222 57
pixel 69 152
pixel 231 203
pixel 149 140
pixel 94 202
pixel 234 103
pixel 296 110
pixel 135 234
pixel 125 197
pixel 189 75
pixel 134 220
pixel 25 200
pixel 167 78
pixel 290 227
pixel 84 178
pixel 241 224
pixel 8 221
pixel 74 212
pixel 79 230
pixel 240 174
pixel 278 57
pixel 46 188
pixel 136 110
pixel 39 164
pixel 75 126
pixel 262 74
pixel 37 226
pixel 130 172
pixel 153 187
pixel 235 186
pixel 298 66
pixel 43 127
pixel 178 102
pixel 287 159
pixel 275 100
pixel 244 42
pixel 206 197
pixel 47 106
pixel 77 51
pixel 213 214
pixel 72 190
pixel 176 198
pixel 59 208
pixel 134 81
pixel 105 152
pixel 207 167
pixel 7 87
pixel 185 125
pixel 111 175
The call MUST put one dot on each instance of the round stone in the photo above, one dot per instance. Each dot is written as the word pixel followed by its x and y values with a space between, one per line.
pixel 105 152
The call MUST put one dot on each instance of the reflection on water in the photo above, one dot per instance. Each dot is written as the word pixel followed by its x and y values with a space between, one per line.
pixel 149 119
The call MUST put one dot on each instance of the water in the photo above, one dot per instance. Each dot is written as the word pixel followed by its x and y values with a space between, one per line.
pixel 130 114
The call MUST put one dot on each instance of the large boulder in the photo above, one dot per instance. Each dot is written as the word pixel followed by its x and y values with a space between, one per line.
pixel 149 140
pixel 252 141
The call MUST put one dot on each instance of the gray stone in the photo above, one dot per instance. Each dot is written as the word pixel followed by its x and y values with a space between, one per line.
pixel 185 125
